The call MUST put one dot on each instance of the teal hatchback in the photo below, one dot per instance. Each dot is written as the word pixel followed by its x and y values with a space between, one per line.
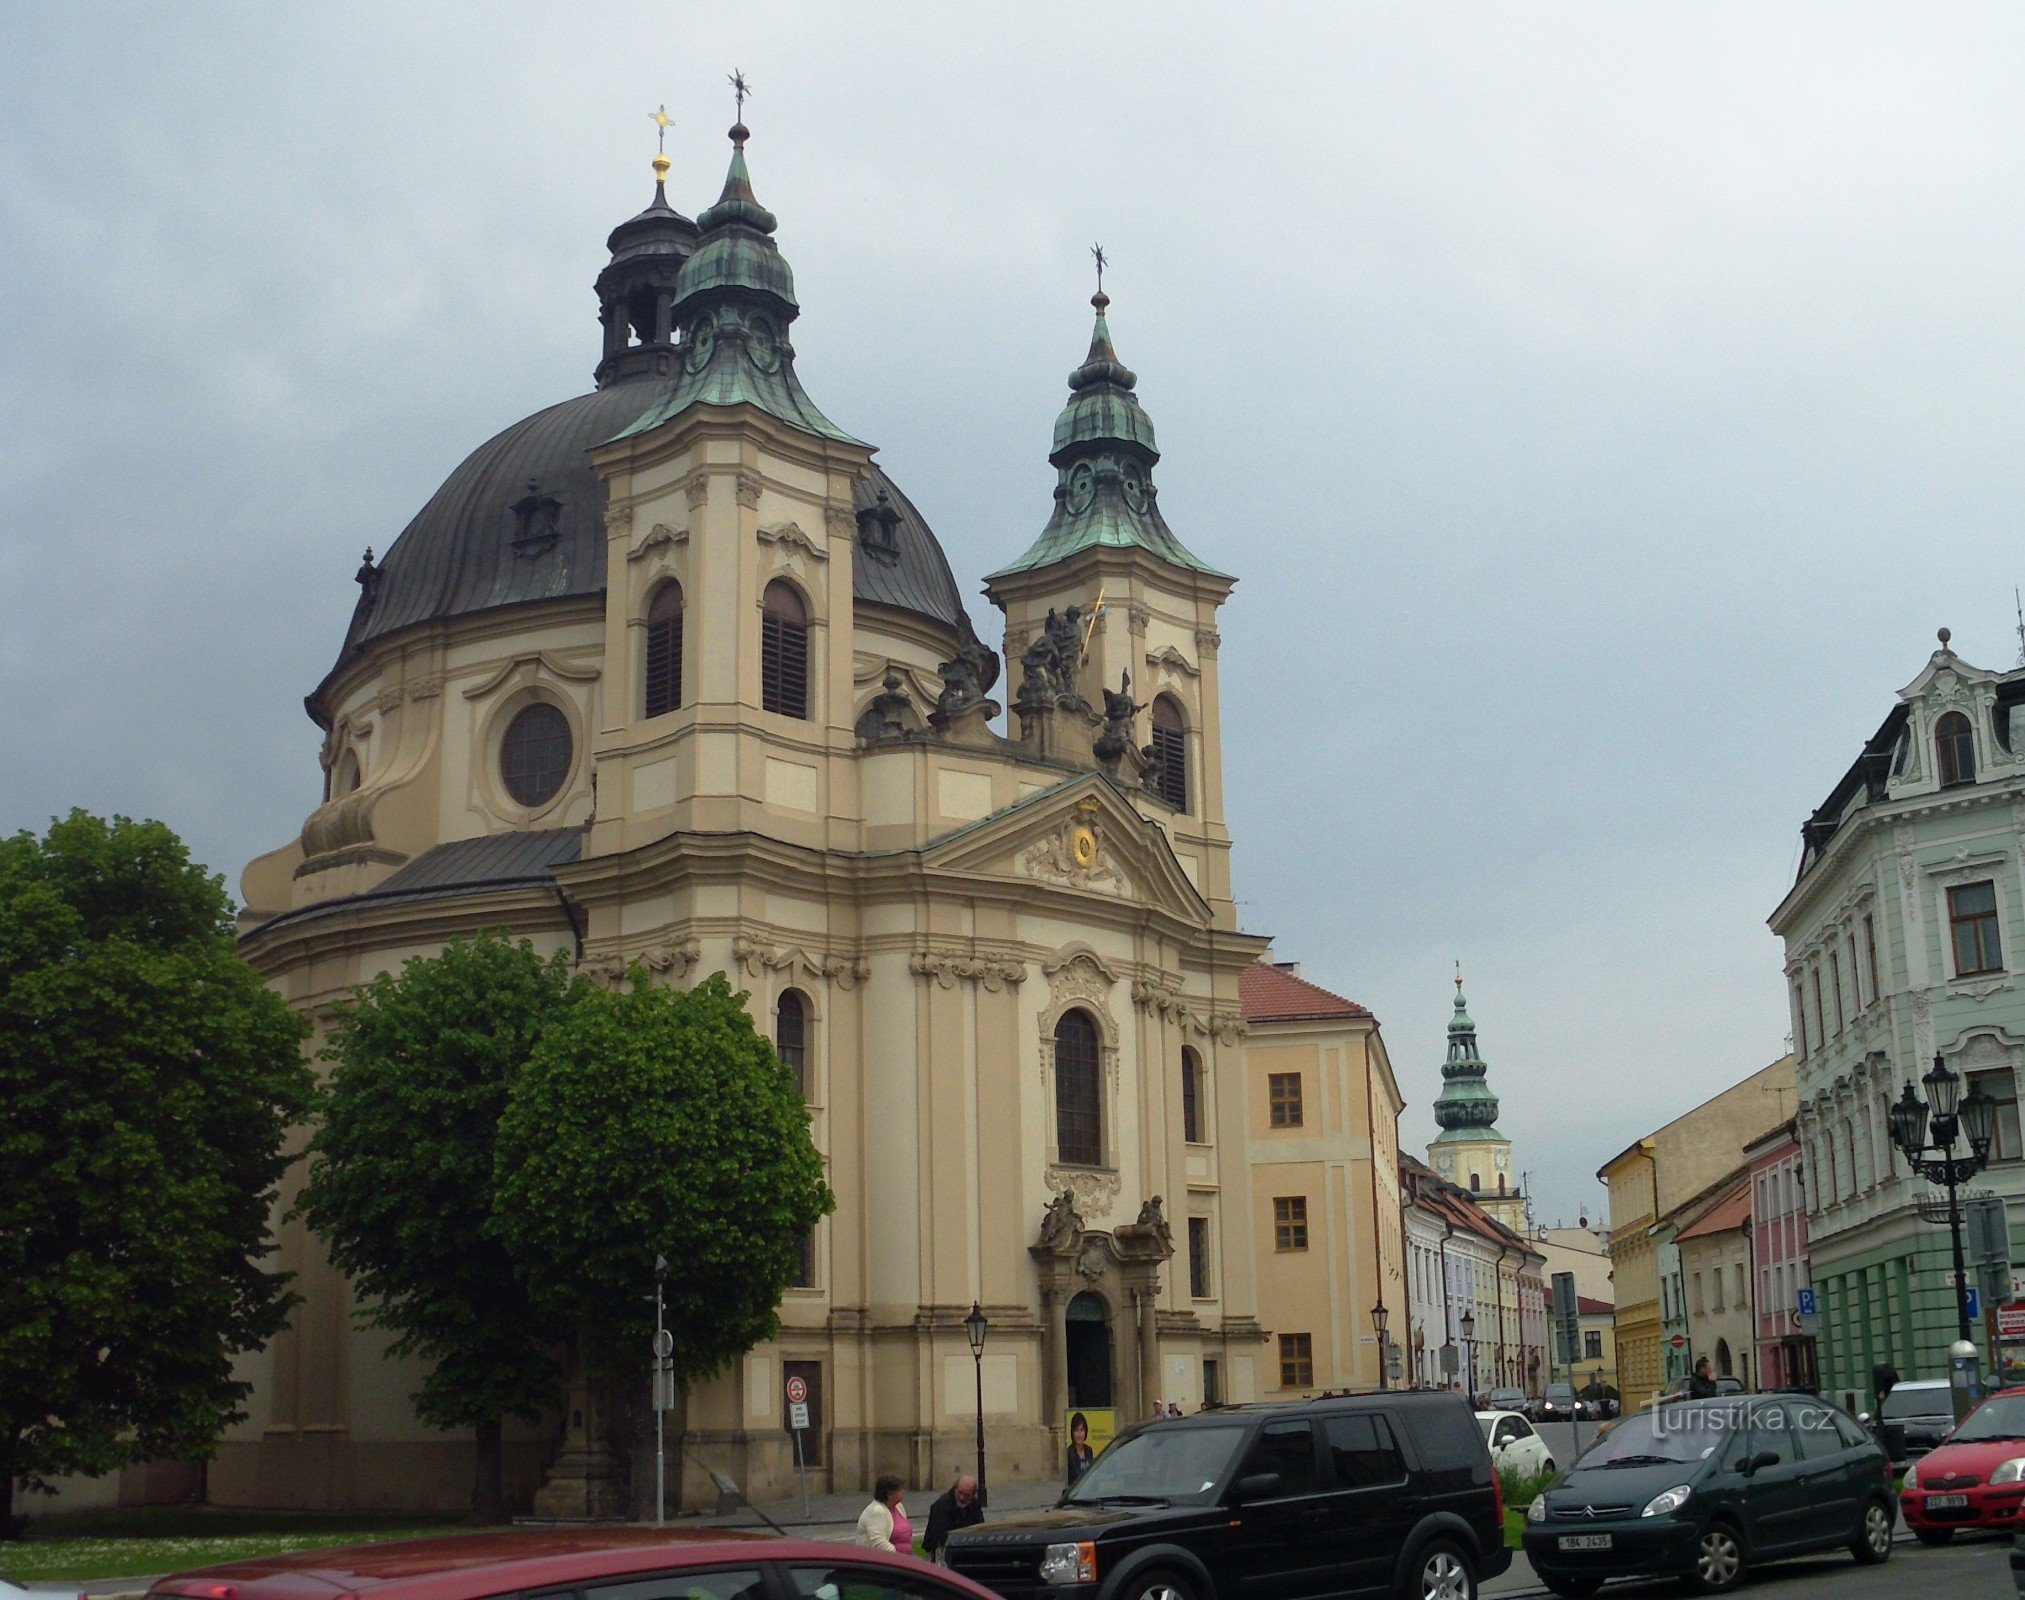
pixel 1705 1489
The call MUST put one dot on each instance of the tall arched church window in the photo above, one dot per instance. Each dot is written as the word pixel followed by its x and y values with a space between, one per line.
pixel 664 650
pixel 1079 1121
pixel 1955 745
pixel 791 1036
pixel 1191 1095
pixel 784 652
pixel 1170 752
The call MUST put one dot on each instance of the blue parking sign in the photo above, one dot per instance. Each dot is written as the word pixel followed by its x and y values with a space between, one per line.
pixel 1972 1303
pixel 1806 1305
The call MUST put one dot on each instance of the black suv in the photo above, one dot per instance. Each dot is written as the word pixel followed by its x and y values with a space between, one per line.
pixel 1380 1494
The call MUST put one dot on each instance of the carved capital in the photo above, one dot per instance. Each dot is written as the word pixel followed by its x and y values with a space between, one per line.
pixel 618 517
pixel 1138 617
pixel 1207 640
pixel 840 522
pixel 748 490
pixel 425 688
pixel 697 489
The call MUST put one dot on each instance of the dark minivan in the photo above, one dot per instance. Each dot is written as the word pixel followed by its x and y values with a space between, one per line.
pixel 1376 1494
pixel 1704 1489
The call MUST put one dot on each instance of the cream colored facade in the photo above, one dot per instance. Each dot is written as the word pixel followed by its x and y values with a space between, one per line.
pixel 1339 1164
pixel 937 897
pixel 1650 1179
pixel 1716 1269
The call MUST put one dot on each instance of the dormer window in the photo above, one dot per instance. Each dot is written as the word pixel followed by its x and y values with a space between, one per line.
pixel 1955 750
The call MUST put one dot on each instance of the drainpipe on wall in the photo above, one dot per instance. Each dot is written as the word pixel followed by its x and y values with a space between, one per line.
pixel 1447 1323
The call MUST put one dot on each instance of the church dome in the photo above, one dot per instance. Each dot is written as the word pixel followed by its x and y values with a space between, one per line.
pixel 521 519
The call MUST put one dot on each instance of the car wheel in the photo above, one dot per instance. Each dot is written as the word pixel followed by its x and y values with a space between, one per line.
pixel 1872 1543
pixel 1442 1571
pixel 1719 1560
pixel 1933 1535
pixel 1161 1583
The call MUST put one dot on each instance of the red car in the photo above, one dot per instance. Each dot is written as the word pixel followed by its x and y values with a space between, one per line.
pixel 1974 1478
pixel 578 1564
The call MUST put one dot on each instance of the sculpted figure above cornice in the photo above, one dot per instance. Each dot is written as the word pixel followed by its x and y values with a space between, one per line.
pixel 672 961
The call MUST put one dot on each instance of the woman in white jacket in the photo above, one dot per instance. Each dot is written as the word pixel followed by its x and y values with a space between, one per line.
pixel 883 1524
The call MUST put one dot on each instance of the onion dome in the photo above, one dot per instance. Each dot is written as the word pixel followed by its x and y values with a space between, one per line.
pixel 1465 1108
pixel 733 303
pixel 1103 457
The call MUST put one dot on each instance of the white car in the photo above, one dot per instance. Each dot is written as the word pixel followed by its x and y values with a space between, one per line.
pixel 1513 1442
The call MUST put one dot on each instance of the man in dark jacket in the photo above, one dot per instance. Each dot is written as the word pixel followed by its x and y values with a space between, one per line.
pixel 1702 1386
pixel 957 1507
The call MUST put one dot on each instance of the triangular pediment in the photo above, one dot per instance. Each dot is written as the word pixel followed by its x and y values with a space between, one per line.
pixel 1083 835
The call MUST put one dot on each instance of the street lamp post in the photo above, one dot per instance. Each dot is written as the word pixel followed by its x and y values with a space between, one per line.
pixel 976 1327
pixel 1468 1324
pixel 1379 1317
pixel 1934 1124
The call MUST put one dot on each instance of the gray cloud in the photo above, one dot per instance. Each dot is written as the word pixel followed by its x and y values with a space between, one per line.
pixel 1602 406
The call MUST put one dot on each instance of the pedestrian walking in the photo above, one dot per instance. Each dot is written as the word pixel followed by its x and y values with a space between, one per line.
pixel 883 1524
pixel 958 1506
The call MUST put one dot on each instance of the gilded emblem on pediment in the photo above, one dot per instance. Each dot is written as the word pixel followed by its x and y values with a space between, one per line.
pixel 1073 853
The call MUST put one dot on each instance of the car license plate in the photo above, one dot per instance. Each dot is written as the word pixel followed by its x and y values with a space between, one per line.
pixel 1947 1502
pixel 1585 1541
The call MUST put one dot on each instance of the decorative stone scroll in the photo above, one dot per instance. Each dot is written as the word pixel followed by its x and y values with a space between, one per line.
pixel 1092 1191
pixel 660 537
pixel 789 536
pixel 950 967
pixel 673 961
pixel 1169 659
pixel 758 959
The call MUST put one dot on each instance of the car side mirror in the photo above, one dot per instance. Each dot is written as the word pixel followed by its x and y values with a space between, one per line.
pixel 1256 1486
pixel 1764 1458
pixel 1864 1418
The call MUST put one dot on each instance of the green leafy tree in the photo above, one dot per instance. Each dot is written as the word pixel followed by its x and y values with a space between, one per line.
pixel 400 1179
pixel 656 1121
pixel 148 1078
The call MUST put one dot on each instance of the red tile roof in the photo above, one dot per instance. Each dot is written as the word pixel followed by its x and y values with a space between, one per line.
pixel 1725 1216
pixel 1272 994
pixel 1586 1307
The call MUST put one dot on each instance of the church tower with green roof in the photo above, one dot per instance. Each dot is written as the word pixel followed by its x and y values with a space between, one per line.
pixel 1111 621
pixel 1469 1151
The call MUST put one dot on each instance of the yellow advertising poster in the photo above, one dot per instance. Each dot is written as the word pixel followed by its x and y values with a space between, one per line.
pixel 1088 1429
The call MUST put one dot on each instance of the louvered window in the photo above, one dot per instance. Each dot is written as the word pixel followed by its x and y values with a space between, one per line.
pixel 784 653
pixel 1170 753
pixel 1079 1125
pixel 1191 1096
pixel 664 650
pixel 791 1036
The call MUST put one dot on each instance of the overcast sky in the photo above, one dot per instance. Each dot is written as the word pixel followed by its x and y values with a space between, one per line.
pixel 1601 406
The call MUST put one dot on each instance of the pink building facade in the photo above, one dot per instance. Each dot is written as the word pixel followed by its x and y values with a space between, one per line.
pixel 1779 1261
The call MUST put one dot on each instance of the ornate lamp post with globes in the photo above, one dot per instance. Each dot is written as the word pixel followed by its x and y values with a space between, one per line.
pixel 1934 1124
pixel 976 1327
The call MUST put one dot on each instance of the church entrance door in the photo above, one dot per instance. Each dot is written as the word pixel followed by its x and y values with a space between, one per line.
pixel 1088 1325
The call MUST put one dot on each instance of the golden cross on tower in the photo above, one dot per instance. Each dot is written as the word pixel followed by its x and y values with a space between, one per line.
pixel 1097 255
pixel 662 123
pixel 739 89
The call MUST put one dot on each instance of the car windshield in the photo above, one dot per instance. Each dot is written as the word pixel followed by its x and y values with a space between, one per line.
pixel 1669 1434
pixel 1560 1391
pixel 1182 1465
pixel 1507 1399
pixel 1907 1402
pixel 2002 1417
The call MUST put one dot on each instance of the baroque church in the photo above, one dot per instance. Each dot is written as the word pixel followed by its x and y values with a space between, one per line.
pixel 673 674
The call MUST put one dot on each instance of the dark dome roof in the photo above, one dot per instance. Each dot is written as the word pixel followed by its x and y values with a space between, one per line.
pixel 521 520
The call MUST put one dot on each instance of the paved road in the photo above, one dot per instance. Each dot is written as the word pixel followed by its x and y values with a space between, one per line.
pixel 1974 1567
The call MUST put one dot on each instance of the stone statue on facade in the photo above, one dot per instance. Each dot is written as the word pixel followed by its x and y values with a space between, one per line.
pixel 967 680
pixel 1059 1223
pixel 1114 743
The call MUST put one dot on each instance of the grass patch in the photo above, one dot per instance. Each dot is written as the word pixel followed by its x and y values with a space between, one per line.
pixel 1515 1530
pixel 148 1541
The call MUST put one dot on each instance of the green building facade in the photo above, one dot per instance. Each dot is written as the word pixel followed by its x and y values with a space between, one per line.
pixel 1905 940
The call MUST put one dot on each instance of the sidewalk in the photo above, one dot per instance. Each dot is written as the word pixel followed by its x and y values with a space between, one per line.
pixel 835 1516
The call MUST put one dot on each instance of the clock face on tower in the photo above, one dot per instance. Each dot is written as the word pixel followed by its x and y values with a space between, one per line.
pixel 1504 1160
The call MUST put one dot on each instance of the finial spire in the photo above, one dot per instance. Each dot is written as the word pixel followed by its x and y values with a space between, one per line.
pixel 1100 300
pixel 1458 976
pixel 662 122
pixel 739 90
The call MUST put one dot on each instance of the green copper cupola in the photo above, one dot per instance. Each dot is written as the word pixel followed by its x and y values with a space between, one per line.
pixel 734 300
pixel 1103 457
pixel 1465 1108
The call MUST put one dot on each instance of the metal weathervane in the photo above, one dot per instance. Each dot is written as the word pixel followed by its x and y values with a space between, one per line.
pixel 1097 255
pixel 739 89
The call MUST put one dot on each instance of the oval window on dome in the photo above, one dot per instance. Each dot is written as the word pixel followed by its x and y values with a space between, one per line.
pixel 534 757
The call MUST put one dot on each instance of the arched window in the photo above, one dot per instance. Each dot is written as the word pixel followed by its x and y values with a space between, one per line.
pixel 344 777
pixel 1079 1119
pixel 664 650
pixel 1170 752
pixel 784 652
pixel 1191 1096
pixel 535 755
pixel 791 1036
pixel 1955 745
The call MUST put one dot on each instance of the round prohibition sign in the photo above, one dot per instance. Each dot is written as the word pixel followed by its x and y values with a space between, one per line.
pixel 797 1391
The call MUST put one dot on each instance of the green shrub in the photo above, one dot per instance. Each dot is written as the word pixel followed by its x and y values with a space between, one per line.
pixel 1522 1488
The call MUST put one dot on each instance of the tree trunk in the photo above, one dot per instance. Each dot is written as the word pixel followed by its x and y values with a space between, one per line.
pixel 488 1484
pixel 10 1526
